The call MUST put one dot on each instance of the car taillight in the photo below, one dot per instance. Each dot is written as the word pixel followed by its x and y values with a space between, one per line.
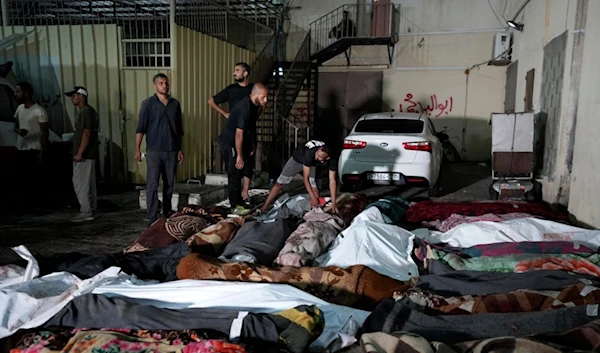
pixel 417 146
pixel 352 145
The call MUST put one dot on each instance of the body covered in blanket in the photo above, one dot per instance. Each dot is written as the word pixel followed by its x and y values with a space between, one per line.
pixel 177 228
pixel 260 241
pixel 357 286
pixel 310 239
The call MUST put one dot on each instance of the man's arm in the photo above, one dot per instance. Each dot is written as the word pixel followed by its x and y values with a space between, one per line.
pixel 179 127
pixel 333 189
pixel 306 179
pixel 43 121
pixel 141 129
pixel 218 99
pixel 86 126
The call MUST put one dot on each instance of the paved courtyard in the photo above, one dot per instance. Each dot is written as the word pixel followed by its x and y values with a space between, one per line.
pixel 121 220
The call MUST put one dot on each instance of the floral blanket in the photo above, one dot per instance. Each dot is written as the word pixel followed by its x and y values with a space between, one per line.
pixel 310 239
pixel 356 286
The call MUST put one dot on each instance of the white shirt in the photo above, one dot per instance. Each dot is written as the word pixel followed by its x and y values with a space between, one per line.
pixel 30 119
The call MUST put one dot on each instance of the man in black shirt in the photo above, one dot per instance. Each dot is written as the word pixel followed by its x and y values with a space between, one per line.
pixel 160 121
pixel 305 159
pixel 233 94
pixel 233 143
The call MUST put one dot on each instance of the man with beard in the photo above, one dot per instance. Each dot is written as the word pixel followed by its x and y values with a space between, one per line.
pixel 31 127
pixel 233 94
pixel 241 118
pixel 160 120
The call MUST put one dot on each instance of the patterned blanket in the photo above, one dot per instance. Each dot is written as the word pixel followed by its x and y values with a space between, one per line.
pixel 431 211
pixel 456 219
pixel 579 263
pixel 581 339
pixel 177 228
pixel 502 249
pixel 513 302
pixel 357 286
pixel 212 240
pixel 310 239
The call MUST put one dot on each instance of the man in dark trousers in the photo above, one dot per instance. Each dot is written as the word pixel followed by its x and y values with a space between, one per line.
pixel 232 143
pixel 305 160
pixel 160 121
pixel 233 94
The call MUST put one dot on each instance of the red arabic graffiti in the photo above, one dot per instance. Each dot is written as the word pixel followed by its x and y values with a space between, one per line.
pixel 436 108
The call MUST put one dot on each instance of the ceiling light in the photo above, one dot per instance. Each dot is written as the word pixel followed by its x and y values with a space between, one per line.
pixel 515 25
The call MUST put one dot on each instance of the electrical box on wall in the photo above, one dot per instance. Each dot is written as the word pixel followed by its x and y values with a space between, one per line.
pixel 501 50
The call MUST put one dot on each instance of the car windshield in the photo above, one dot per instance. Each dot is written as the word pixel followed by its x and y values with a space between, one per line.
pixel 391 126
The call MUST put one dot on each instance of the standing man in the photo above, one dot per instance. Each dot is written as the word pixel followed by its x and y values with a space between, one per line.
pixel 160 120
pixel 305 159
pixel 233 94
pixel 31 126
pixel 232 143
pixel 85 153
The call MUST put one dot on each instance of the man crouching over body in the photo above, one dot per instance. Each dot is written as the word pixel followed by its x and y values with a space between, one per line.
pixel 305 159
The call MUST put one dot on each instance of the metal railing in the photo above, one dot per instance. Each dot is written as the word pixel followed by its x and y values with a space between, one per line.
pixel 262 67
pixel 292 134
pixel 213 19
pixel 294 79
pixel 355 21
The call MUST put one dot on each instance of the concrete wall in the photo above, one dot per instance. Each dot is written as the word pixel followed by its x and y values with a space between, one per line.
pixel 585 177
pixel 556 87
pixel 439 40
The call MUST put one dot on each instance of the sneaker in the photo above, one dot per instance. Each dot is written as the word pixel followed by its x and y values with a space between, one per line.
pixel 82 217
pixel 241 211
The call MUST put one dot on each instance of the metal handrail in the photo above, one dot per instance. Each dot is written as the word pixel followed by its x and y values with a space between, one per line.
pixel 331 28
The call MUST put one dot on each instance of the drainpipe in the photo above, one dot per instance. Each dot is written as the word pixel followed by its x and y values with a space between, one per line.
pixel 173 41
pixel 5 13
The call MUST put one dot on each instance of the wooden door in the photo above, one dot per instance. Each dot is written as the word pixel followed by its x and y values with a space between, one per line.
pixel 529 90
pixel 380 18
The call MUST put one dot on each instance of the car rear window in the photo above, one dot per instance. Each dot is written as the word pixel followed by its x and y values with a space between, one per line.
pixel 391 126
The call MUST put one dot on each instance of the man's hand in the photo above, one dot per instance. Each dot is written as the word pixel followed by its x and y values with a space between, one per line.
pixel 180 157
pixel 77 158
pixel 137 156
pixel 334 209
pixel 314 202
pixel 226 114
pixel 239 162
pixel 23 132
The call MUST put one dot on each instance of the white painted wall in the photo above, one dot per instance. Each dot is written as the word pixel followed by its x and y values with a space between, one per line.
pixel 439 40
pixel 585 177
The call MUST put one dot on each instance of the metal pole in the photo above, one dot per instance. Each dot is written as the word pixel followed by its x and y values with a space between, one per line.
pixel 173 42
pixel 295 137
pixel 5 13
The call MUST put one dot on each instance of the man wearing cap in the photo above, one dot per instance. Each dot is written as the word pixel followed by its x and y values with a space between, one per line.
pixel 160 120
pixel 85 153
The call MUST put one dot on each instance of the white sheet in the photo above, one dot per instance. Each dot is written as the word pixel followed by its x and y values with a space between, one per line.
pixel 12 274
pixel 253 297
pixel 30 304
pixel 516 230
pixel 368 241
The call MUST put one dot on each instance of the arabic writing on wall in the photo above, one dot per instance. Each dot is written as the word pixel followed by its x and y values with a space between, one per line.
pixel 434 107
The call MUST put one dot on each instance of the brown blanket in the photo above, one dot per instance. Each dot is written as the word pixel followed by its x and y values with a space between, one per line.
pixel 357 286
pixel 179 227
pixel 212 240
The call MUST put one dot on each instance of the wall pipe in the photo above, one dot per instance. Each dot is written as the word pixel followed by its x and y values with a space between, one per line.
pixel 5 13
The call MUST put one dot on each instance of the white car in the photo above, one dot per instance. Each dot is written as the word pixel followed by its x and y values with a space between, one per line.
pixel 392 149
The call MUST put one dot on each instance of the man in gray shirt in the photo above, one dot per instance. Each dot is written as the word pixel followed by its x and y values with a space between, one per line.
pixel 160 120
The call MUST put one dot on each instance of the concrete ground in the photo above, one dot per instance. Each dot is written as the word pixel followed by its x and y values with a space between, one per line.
pixel 121 220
